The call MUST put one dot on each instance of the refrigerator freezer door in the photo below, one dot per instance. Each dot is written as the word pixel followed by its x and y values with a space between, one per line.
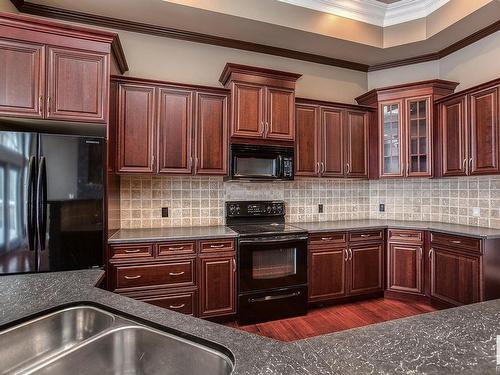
pixel 70 202
pixel 17 188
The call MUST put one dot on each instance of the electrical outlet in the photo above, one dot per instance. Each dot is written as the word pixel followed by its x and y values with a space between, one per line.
pixel 476 211
pixel 381 207
pixel 164 212
pixel 320 208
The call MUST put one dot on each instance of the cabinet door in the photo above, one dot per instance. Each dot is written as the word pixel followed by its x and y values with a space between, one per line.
pixel 306 144
pixel 453 137
pixel 332 145
pixel 484 132
pixel 175 124
pixel 22 77
pixel 211 134
pixel 418 137
pixel 77 85
pixel 217 285
pixel 405 268
pixel 280 114
pixel 135 150
pixel 455 277
pixel 327 274
pixel 357 144
pixel 247 111
pixel 366 268
pixel 391 138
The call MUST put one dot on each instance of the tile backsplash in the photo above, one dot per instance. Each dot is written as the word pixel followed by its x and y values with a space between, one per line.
pixel 196 200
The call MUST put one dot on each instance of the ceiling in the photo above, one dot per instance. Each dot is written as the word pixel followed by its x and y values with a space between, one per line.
pixel 291 28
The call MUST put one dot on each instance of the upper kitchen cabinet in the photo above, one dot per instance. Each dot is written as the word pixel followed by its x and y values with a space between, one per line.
pixel 331 139
pixel 405 127
pixel 263 103
pixel 170 128
pixel 56 71
pixel 469 131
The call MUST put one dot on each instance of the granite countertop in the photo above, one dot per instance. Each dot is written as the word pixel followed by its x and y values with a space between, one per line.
pixel 345 225
pixel 456 340
pixel 169 234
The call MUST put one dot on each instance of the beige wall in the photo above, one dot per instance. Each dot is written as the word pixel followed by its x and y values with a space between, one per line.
pixel 6 6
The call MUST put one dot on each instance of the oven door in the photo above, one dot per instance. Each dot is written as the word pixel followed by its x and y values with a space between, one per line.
pixel 272 262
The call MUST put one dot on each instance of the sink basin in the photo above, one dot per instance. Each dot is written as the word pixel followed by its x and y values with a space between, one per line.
pixel 88 340
pixel 49 335
pixel 140 350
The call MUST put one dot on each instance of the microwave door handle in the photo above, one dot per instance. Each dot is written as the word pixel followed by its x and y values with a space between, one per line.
pixel 280 167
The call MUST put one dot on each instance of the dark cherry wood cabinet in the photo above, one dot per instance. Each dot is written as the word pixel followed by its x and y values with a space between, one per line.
pixel 366 268
pixel 406 127
pixel 331 139
pixel 55 71
pixel 217 285
pixel 327 278
pixel 263 103
pixel 170 129
pixel 22 79
pixel 469 132
pixel 135 128
pixel 405 268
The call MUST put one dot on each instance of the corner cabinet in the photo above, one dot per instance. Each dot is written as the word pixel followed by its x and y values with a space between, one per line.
pixel 406 127
pixel 469 131
pixel 170 129
pixel 331 141
pixel 263 103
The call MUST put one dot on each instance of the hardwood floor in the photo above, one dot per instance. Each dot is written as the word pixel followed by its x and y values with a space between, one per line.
pixel 322 320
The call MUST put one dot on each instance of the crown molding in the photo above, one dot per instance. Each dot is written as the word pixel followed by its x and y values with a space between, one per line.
pixel 372 11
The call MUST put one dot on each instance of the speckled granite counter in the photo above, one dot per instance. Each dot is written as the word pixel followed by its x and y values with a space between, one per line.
pixel 169 234
pixel 450 341
pixel 345 225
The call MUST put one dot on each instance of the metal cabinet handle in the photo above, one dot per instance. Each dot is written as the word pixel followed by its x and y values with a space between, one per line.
pixel 326 238
pixel 196 163
pixel 40 103
pixel 48 105
pixel 323 168
pixel 177 306
pixel 217 246
pixel 346 255
pixel 176 273
pixel 348 168
pixel 420 252
pixel 234 265
pixel 317 168
pixel 430 253
pixel 132 251
pixel 407 169
pixel 405 235
pixel 153 160
pixel 132 277
pixel 456 241
pixel 470 164
pixel 176 248
pixel 464 164
pixel 365 235
pixel 350 254
pixel 267 128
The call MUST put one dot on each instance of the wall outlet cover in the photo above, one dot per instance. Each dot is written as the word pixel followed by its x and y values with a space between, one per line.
pixel 476 211
pixel 164 212
pixel 381 207
pixel 320 208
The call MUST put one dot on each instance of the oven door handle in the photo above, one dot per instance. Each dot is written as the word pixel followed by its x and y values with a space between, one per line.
pixel 277 240
pixel 273 298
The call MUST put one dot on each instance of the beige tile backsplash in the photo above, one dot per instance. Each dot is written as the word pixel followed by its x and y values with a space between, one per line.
pixel 196 201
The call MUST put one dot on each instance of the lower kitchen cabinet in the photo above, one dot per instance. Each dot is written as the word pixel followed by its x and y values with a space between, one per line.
pixel 327 278
pixel 182 301
pixel 217 285
pixel 367 268
pixel 405 268
pixel 455 277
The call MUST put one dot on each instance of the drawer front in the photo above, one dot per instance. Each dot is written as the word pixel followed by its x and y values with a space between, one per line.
pixel 171 274
pixel 327 239
pixel 131 251
pixel 460 242
pixel 183 302
pixel 211 246
pixel 366 235
pixel 405 235
pixel 176 248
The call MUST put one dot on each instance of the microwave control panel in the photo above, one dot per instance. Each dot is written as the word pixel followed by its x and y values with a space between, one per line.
pixel 288 167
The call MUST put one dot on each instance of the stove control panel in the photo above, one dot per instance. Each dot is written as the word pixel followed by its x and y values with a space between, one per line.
pixel 252 209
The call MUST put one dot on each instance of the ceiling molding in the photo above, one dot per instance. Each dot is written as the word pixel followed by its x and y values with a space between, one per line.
pixel 372 11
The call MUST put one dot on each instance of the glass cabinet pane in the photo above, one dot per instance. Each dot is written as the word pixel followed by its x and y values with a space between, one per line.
pixel 418 136
pixel 391 139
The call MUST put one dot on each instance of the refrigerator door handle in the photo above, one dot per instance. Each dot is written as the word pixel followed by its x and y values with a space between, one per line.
pixel 31 219
pixel 42 202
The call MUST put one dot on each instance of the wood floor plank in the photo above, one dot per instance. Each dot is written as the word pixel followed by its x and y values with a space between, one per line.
pixel 323 320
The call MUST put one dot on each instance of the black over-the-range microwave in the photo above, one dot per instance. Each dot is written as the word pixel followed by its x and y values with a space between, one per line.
pixel 261 163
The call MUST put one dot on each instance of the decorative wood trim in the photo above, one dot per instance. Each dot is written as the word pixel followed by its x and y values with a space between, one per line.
pixel 469 90
pixel 231 68
pixel 146 81
pixel 121 24
pixel 324 103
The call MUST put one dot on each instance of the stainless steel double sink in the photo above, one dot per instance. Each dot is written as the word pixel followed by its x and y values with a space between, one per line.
pixel 88 340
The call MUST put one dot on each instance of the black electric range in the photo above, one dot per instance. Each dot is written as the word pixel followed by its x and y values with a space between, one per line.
pixel 272 261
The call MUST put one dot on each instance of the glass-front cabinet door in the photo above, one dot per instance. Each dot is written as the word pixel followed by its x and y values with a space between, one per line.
pixel 418 136
pixel 391 137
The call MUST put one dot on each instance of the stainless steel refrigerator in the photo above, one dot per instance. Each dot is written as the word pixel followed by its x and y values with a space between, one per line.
pixel 51 202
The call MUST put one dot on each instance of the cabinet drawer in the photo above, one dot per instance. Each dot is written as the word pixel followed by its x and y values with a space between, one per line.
pixel 183 302
pixel 171 274
pixel 210 246
pixel 131 251
pixel 176 248
pixel 325 239
pixel 405 235
pixel 371 235
pixel 468 243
